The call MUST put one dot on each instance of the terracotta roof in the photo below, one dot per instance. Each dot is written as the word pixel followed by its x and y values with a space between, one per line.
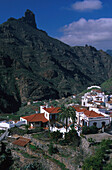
pixel 93 95
pixel 21 141
pixel 90 102
pixel 37 117
pixel 99 101
pixel 52 110
pixel 78 109
pixel 98 91
pixel 110 102
pixel 92 114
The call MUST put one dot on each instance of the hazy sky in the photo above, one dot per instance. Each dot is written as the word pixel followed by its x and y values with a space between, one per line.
pixel 75 22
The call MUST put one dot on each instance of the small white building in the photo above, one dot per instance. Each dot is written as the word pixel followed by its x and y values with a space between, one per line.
pixel 94 98
pixel 91 87
pixel 35 120
pixel 90 118
pixel 109 104
pixel 7 125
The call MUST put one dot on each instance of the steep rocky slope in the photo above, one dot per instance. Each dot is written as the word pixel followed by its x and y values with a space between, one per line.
pixel 36 66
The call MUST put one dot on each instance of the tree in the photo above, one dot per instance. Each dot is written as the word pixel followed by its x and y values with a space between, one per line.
pixel 27 127
pixel 64 115
pixel 72 112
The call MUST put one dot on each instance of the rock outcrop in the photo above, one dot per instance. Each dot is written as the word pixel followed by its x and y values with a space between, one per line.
pixel 29 18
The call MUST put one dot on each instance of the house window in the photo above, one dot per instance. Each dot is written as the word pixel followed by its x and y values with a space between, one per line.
pixel 103 124
pixel 50 117
pixel 95 123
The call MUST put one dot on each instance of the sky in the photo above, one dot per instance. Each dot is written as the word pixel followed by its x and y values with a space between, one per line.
pixel 75 22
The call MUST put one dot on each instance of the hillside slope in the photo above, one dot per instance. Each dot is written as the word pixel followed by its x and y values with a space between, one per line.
pixel 107 86
pixel 36 66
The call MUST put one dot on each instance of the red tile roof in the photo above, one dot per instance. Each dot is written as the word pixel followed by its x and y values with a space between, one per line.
pixel 37 117
pixel 92 114
pixel 78 109
pixel 99 101
pixel 98 91
pixel 21 141
pixel 90 102
pixel 109 102
pixel 52 110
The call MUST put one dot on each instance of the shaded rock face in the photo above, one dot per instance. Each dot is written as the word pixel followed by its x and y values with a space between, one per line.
pixel 36 66
pixel 29 18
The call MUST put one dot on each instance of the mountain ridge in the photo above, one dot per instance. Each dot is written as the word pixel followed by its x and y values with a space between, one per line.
pixel 36 66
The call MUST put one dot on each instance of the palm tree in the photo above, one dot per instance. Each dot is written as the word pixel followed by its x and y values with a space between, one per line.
pixel 64 115
pixel 72 114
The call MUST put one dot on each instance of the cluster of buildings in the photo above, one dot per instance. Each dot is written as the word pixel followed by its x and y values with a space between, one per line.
pixel 99 103
pixel 95 109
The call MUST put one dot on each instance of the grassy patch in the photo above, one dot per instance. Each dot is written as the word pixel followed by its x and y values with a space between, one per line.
pixel 41 136
pixel 62 166
pixel 36 148
pixel 64 155
pixel 26 155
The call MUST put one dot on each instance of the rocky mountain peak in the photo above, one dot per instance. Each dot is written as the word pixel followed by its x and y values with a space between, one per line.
pixel 29 18
pixel 37 67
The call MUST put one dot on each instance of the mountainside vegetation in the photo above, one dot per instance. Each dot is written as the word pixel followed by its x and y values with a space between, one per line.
pixel 109 52
pixel 107 86
pixel 36 66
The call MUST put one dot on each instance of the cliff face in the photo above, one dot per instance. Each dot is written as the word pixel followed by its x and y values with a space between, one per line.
pixel 36 66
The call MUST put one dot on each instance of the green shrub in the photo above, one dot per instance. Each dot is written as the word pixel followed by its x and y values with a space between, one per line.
pixel 17 130
pixel 37 129
pixel 72 137
pixel 108 166
pixel 32 147
pixel 85 130
pixel 93 129
pixel 95 162
pixel 91 140
pixel 63 142
pixel 56 135
pixel 89 130
pixel 52 149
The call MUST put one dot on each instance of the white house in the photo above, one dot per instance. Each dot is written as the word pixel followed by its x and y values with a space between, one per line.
pixel 89 118
pixel 94 98
pixel 91 87
pixel 50 113
pixel 35 120
pixel 7 125
pixel 109 104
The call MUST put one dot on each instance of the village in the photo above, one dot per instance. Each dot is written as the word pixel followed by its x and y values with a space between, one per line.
pixel 95 112
pixel 95 109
